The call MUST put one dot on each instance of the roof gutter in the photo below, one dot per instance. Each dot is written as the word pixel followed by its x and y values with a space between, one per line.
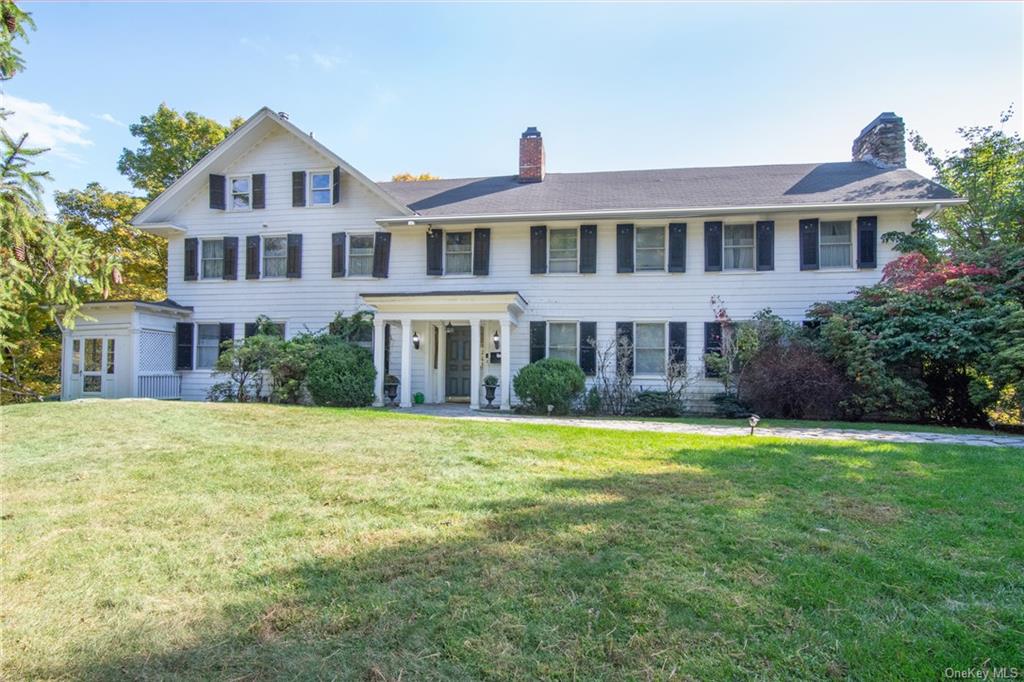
pixel 660 212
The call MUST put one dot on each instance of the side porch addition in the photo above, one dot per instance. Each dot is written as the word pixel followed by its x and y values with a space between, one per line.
pixel 447 342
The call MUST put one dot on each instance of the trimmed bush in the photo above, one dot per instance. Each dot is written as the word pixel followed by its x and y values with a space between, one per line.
pixel 341 374
pixel 558 383
pixel 656 404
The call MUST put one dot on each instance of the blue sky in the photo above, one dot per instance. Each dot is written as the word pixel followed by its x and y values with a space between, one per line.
pixel 447 88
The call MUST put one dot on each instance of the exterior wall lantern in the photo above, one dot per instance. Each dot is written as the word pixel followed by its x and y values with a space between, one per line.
pixel 416 340
pixel 497 340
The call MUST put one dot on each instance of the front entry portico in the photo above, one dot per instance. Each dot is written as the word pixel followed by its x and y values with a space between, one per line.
pixel 447 342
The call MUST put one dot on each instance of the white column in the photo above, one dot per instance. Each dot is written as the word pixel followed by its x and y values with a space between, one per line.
pixel 378 361
pixel 474 369
pixel 506 365
pixel 405 382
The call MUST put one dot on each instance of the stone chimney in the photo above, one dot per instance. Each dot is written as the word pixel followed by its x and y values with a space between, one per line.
pixel 531 156
pixel 881 142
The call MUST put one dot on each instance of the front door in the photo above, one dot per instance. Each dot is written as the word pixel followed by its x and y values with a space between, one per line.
pixel 457 364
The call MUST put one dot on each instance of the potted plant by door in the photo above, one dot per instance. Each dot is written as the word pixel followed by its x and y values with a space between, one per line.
pixel 490 384
pixel 391 388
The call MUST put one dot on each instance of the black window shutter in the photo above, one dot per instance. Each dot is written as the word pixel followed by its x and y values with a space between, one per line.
pixel 588 347
pixel 624 346
pixel 538 341
pixel 183 343
pixel 677 247
pixel 250 329
pixel 677 342
pixel 230 257
pixel 481 251
pixel 809 244
pixel 298 188
pixel 713 246
pixel 259 190
pixel 338 254
pixel 252 257
pixel 227 333
pixel 867 242
pixel 624 248
pixel 387 349
pixel 381 254
pixel 538 250
pixel 712 343
pixel 294 258
pixel 336 185
pixel 217 192
pixel 435 250
pixel 191 259
pixel 765 244
pixel 588 249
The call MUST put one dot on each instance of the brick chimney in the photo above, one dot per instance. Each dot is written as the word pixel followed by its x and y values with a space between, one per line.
pixel 881 142
pixel 531 156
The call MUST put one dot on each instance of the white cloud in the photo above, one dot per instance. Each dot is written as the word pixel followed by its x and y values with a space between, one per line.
pixel 325 61
pixel 109 118
pixel 46 127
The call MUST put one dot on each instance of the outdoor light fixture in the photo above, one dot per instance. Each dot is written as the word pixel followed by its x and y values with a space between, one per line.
pixel 753 420
pixel 448 328
pixel 416 340
pixel 497 340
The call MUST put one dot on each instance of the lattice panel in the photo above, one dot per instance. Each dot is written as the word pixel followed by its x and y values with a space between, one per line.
pixel 156 352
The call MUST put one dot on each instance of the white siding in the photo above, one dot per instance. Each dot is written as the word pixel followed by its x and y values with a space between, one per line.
pixel 309 303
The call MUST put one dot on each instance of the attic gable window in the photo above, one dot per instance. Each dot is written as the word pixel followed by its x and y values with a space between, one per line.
pixel 320 188
pixel 241 193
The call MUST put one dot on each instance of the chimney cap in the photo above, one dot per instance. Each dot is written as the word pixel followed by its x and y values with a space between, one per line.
pixel 884 117
pixel 531 132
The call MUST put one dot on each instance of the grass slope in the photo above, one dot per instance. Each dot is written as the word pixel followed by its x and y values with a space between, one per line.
pixel 212 541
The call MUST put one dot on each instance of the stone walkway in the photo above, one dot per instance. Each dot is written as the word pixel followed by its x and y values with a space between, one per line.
pixel 463 412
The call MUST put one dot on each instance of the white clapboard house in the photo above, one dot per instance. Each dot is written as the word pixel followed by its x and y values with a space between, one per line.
pixel 475 276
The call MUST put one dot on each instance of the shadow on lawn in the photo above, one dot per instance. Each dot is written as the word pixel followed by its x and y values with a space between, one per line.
pixel 766 561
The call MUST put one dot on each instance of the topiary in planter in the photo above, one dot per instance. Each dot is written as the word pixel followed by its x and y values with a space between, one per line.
pixel 557 383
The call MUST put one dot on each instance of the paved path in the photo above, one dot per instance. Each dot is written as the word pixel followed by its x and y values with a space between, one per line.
pixel 462 412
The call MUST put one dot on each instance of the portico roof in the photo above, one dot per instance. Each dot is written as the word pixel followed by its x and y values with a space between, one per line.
pixel 421 305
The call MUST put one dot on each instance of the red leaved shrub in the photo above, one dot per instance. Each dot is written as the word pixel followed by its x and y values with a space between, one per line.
pixel 792 381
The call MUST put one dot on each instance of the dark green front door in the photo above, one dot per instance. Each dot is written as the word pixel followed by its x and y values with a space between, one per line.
pixel 457 364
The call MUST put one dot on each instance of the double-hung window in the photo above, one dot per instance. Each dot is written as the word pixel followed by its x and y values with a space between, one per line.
pixel 241 193
pixel 563 250
pixel 835 243
pixel 360 255
pixel 275 256
pixel 320 188
pixel 738 246
pixel 562 341
pixel 207 345
pixel 213 258
pixel 458 253
pixel 650 248
pixel 649 347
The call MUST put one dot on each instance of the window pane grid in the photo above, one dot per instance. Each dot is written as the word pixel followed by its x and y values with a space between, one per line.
pixel 275 256
pixel 320 188
pixel 738 244
pixel 650 348
pixel 458 253
pixel 562 252
pixel 650 248
pixel 562 343
pixel 207 345
pixel 360 259
pixel 93 355
pixel 835 243
pixel 213 258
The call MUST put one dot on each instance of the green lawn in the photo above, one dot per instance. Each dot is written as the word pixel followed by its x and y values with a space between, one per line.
pixel 812 423
pixel 163 540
